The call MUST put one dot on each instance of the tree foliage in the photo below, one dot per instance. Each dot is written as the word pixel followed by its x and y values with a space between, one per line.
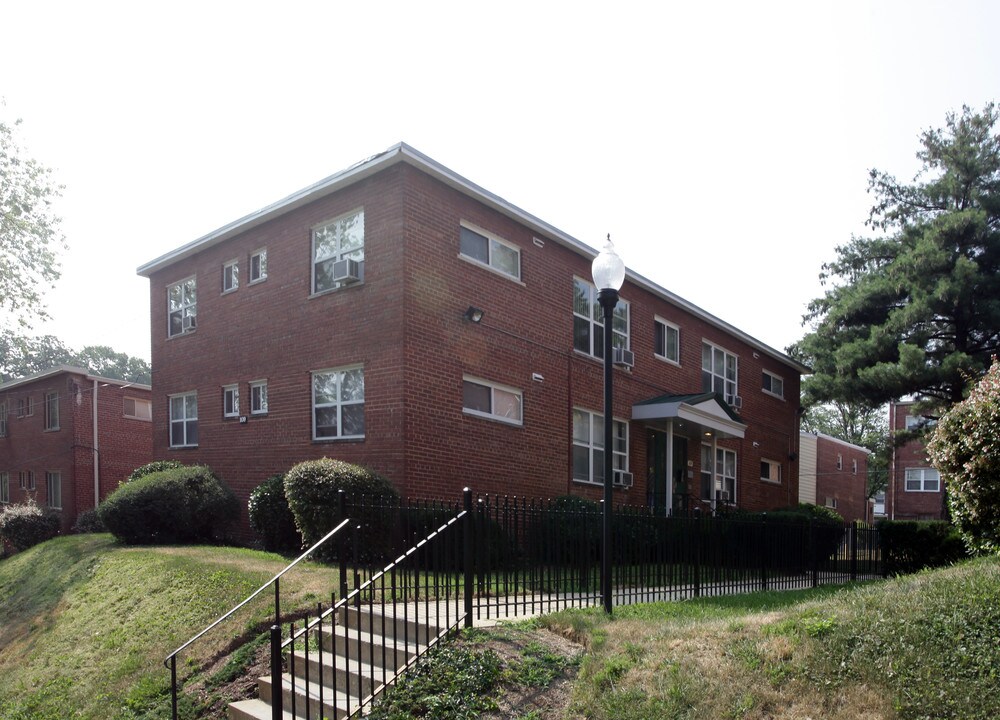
pixel 29 231
pixel 965 448
pixel 24 356
pixel 916 310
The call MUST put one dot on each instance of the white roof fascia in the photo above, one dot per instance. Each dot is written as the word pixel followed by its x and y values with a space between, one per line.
pixel 72 370
pixel 402 152
pixel 831 438
pixel 706 414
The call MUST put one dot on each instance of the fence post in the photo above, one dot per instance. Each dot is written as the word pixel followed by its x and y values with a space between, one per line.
pixel 467 553
pixel 765 548
pixel 813 552
pixel 342 555
pixel 853 539
pixel 277 601
pixel 698 536
pixel 277 683
pixel 173 687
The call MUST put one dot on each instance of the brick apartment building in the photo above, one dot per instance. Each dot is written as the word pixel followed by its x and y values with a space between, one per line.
pixel 399 316
pixel 834 473
pixel 915 490
pixel 66 434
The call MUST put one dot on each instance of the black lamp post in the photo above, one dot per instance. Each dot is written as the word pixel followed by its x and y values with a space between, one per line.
pixel 608 272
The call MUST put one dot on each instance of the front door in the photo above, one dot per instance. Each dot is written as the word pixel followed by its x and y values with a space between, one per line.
pixel 661 494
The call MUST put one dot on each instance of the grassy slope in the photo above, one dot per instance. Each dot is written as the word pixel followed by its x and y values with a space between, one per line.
pixel 85 624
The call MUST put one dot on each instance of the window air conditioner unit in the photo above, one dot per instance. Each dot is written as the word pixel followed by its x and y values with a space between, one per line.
pixel 722 496
pixel 623 479
pixel 189 322
pixel 346 271
pixel 737 402
pixel 623 357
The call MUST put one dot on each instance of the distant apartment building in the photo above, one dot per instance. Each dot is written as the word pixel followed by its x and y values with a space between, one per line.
pixel 400 316
pixel 915 490
pixel 68 438
pixel 834 473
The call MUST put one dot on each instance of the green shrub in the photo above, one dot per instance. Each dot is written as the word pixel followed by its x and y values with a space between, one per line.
pixel 912 545
pixel 311 488
pixel 965 448
pixel 153 467
pixel 178 505
pixel 790 532
pixel 565 531
pixel 89 521
pixel 25 525
pixel 271 517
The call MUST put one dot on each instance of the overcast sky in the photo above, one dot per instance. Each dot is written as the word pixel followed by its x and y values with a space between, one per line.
pixel 724 145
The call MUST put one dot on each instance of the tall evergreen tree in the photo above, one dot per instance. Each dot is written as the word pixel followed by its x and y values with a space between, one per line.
pixel 915 310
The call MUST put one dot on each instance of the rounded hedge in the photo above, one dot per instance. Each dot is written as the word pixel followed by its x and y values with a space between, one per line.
pixel 150 468
pixel 89 521
pixel 271 517
pixel 25 525
pixel 179 505
pixel 312 487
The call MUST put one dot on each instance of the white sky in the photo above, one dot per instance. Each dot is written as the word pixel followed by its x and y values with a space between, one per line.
pixel 725 146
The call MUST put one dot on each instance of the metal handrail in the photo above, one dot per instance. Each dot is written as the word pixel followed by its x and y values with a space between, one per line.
pixel 170 662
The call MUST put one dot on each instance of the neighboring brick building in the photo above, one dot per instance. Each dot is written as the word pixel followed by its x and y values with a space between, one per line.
pixel 834 473
pixel 345 321
pixel 56 448
pixel 915 489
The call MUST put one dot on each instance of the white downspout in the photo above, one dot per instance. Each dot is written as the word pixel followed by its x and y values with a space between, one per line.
pixel 97 464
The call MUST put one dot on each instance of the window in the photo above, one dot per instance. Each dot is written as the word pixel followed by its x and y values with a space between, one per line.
pixel 770 471
pixel 493 401
pixel 340 239
pixel 922 480
pixel 138 409
pixel 774 385
pixel 184 420
pixel 916 422
pixel 182 307
pixel 4 487
pixel 51 411
pixel 258 397
pixel 723 487
pixel 840 461
pixel 339 403
pixel 491 251
pixel 879 499
pixel 25 407
pixel 26 479
pixel 53 490
pixel 3 419
pixel 666 341
pixel 854 467
pixel 588 321
pixel 258 266
pixel 230 276
pixel 831 503
pixel 718 371
pixel 231 401
pixel 588 446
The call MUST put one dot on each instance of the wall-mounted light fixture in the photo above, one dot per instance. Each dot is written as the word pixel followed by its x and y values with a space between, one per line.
pixel 474 314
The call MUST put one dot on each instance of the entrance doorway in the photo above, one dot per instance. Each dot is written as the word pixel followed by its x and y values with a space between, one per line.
pixel 662 495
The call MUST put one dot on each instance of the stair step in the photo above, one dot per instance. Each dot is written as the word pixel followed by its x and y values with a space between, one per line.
pixel 349 676
pixel 368 647
pixel 255 709
pixel 407 629
pixel 333 706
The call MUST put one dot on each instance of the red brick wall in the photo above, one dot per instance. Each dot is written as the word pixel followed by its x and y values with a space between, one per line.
pixel 902 504
pixel 405 325
pixel 847 486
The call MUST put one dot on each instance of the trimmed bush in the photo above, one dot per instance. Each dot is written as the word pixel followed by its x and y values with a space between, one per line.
pixel 185 504
pixel 89 521
pixel 25 525
pixel 789 531
pixel 153 467
pixel 271 517
pixel 311 488
pixel 912 545
pixel 565 531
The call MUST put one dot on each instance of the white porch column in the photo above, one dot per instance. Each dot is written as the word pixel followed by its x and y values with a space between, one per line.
pixel 670 468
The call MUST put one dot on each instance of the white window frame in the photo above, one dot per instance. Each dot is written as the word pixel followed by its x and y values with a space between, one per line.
pixel 3 419
pixel 53 490
pixel 831 502
pixel 774 473
pixel 667 328
pixel 25 406
pixel 26 479
pixel 51 420
pixel 186 421
pixel 595 319
pixel 854 466
pixel 731 386
pixel 185 308
pixel 145 415
pixel 493 413
pixel 840 461
pixel 258 391
pixel 260 275
pixel 492 243
pixel 4 487
pixel 339 253
pixel 718 477
pixel 339 403
pixel 924 477
pixel 768 384
pixel 231 276
pixel 594 446
pixel 230 401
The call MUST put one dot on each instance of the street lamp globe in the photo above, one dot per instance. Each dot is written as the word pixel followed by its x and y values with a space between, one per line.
pixel 608 270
